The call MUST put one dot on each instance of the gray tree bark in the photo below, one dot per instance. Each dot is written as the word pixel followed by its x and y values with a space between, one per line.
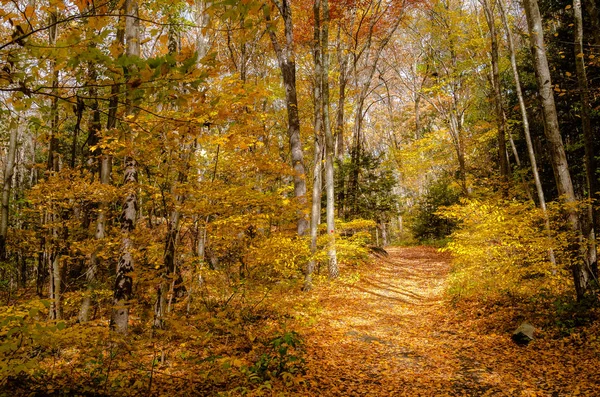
pixel 488 10
pixel 525 120
pixel 342 82
pixel 332 265
pixel 287 64
pixel 202 21
pixel 581 268
pixel 53 165
pixel 589 223
pixel 315 213
pixel 123 288
pixel 103 164
pixel 9 166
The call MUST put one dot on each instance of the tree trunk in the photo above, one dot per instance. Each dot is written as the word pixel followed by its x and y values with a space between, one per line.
pixel 9 166
pixel 592 10
pixel 456 132
pixel 580 269
pixel 384 233
pixel 329 147
pixel 202 20
pixel 489 17
pixel 351 198
pixel 287 64
pixel 525 120
pixel 171 283
pixel 124 282
pixel 342 81
pixel 588 138
pixel 315 213
pixel 165 287
pixel 90 275
pixel 52 256
pixel 417 116
pixel 103 165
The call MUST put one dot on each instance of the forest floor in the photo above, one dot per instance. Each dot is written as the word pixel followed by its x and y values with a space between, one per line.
pixel 385 328
pixel 392 331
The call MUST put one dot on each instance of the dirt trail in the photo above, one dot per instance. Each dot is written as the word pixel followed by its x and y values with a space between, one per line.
pixel 392 333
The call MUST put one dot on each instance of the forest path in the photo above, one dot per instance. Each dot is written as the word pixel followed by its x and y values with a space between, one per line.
pixel 387 334
pixel 392 332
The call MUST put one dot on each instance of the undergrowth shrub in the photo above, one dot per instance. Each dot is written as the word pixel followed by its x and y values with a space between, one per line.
pixel 427 224
pixel 282 357
pixel 502 247
pixel 276 257
pixel 352 241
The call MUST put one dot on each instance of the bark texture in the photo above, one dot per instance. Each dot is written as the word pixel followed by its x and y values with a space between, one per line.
pixel 287 64
pixel 501 137
pixel 525 121
pixel 123 289
pixel 581 268
pixel 332 265
pixel 9 166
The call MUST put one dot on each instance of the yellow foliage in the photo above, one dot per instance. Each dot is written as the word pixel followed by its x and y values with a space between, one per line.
pixel 277 256
pixel 26 338
pixel 355 225
pixel 502 246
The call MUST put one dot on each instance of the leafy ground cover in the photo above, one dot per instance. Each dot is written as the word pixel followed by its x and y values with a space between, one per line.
pixel 387 328
pixel 395 332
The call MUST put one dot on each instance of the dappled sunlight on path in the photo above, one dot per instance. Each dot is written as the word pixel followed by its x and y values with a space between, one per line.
pixel 393 333
pixel 377 335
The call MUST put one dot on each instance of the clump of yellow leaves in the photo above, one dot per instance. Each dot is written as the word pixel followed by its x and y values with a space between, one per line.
pixel 277 256
pixel 502 247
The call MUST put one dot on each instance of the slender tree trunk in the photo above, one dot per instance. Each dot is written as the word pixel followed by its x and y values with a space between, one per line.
pixel 351 199
pixel 581 268
pixel 584 92
pixel 489 17
pixel 165 288
pixel 53 167
pixel 171 284
pixel 124 282
pixel 456 132
pixel 90 275
pixel 102 164
pixel 22 263
pixel 315 213
pixel 76 129
pixel 105 169
pixel 329 147
pixel 202 21
pixel 41 268
pixel 286 57
pixel 515 153
pixel 591 8
pixel 123 289
pixel 9 166
pixel 525 120
pixel 342 81
pixel 588 138
pixel 384 234
pixel 417 116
